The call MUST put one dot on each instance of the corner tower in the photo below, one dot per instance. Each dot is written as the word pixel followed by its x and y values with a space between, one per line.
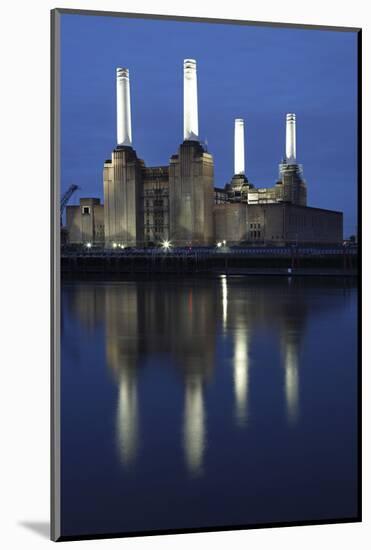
pixel 191 176
pixel 239 186
pixel 122 177
pixel 291 186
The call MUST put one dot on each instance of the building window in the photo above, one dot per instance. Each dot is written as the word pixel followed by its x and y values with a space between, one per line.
pixel 86 210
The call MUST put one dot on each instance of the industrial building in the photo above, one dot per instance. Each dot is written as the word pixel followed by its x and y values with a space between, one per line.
pixel 85 222
pixel 277 223
pixel 179 204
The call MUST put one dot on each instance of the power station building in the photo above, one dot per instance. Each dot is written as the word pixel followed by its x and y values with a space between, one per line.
pixel 178 202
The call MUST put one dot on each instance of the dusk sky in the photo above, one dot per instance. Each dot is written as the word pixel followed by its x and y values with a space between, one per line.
pixel 255 73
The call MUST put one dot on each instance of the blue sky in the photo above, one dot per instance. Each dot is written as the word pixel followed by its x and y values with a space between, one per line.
pixel 255 73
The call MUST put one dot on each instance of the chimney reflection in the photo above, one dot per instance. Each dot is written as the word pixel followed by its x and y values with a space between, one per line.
pixel 293 326
pixel 121 313
pixel 241 374
pixel 223 279
pixel 194 352
pixel 174 325
pixel 127 422
pixel 291 366
pixel 179 324
pixel 194 431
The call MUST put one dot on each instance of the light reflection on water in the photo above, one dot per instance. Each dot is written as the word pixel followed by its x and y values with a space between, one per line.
pixel 291 350
pixel 127 423
pixel 241 374
pixel 194 425
pixel 218 339
pixel 142 320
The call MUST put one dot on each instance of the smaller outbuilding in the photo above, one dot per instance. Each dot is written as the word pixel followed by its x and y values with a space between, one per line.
pixel 85 222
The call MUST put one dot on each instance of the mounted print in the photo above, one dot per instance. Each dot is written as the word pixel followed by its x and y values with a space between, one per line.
pixel 206 243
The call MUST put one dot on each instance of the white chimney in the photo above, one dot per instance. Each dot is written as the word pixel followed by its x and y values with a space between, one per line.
pixel 239 146
pixel 123 107
pixel 190 100
pixel 291 138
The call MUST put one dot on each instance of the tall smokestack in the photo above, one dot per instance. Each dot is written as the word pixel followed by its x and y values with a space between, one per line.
pixel 190 100
pixel 291 138
pixel 123 107
pixel 239 146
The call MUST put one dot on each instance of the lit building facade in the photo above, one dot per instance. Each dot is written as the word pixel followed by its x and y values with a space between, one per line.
pixel 178 203
pixel 276 224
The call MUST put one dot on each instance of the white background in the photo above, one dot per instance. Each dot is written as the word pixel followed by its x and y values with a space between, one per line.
pixel 24 261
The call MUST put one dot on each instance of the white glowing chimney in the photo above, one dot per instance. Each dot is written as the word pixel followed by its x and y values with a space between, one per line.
pixel 239 146
pixel 190 100
pixel 291 138
pixel 123 107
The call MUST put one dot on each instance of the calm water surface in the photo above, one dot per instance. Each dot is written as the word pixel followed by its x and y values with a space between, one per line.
pixel 207 402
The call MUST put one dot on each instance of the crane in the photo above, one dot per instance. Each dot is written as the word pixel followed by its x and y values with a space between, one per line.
pixel 66 197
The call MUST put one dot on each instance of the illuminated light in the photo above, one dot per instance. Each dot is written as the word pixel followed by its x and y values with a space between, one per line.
pixel 218 245
pixel 239 146
pixel 224 243
pixel 166 245
pixel 88 245
pixel 114 245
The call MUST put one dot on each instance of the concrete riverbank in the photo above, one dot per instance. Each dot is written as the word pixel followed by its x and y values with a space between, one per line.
pixel 283 263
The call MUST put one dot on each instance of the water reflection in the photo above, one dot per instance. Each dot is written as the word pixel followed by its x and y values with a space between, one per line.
pixel 194 432
pixel 223 279
pixel 122 350
pixel 181 323
pixel 127 421
pixel 241 374
pixel 177 325
pixel 291 348
pixel 293 328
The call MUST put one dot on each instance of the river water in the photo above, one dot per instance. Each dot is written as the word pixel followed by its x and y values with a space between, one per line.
pixel 207 402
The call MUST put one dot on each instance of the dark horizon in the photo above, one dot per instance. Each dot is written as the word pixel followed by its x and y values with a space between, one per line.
pixel 257 73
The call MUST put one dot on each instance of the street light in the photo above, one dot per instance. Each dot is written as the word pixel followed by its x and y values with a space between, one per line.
pixel 166 245
pixel 88 245
pixel 219 244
